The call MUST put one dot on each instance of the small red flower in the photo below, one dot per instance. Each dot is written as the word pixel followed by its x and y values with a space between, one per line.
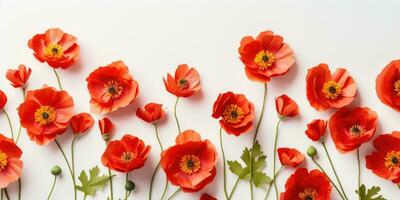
pixel 286 107
pixel 125 155
pixel 106 127
pixel 385 161
pixel 152 112
pixel 55 47
pixel 316 129
pixel 3 100
pixel 326 90
pixel 207 197
pixel 290 157
pixel 190 164
pixel 235 111
pixel 185 83
pixel 10 162
pixel 388 85
pixel 350 128
pixel 18 77
pixel 304 185
pixel 81 122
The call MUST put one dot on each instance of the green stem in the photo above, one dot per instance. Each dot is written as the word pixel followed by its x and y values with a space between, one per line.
pixel 20 127
pixel 333 183
pixel 126 191
pixel 273 180
pixel 359 172
pixel 73 159
pixel 9 124
pixel 52 187
pixel 111 185
pixel 234 188
pixel 275 145
pixel 158 166
pixel 69 166
pixel 175 193
pixel 19 188
pixel 176 116
pixel 165 189
pixel 6 193
pixel 1 195
pixel 224 161
pixel 58 79
pixel 84 197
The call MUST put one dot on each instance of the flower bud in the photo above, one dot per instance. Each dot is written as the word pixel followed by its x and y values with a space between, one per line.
pixel 311 151
pixel 56 170
pixel 130 185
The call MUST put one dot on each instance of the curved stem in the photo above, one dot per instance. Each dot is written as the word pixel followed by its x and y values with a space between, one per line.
pixel 9 124
pixel 224 161
pixel 359 173
pixel 58 79
pixel 175 193
pixel 165 189
pixel 127 193
pixel 234 188
pixel 52 187
pixel 19 188
pixel 69 166
pixel 158 166
pixel 334 185
pixel 275 145
pixel 6 193
pixel 334 170
pixel 158 137
pixel 176 116
pixel 152 179
pixel 73 159
pixel 273 180
pixel 111 185
pixel 261 114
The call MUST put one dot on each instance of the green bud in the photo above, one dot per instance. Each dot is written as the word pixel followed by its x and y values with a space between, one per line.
pixel 311 151
pixel 56 170
pixel 130 185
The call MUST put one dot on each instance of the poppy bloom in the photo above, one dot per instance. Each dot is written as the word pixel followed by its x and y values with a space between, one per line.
pixel 235 111
pixel 46 113
pixel 388 85
pixel 265 56
pixel 207 197
pixel 111 87
pixel 55 47
pixel 10 162
pixel 125 155
pixel 152 112
pixel 18 77
pixel 385 161
pixel 3 100
pixel 290 157
pixel 286 107
pixel 326 90
pixel 81 122
pixel 185 83
pixel 316 129
pixel 304 185
pixel 106 128
pixel 352 127
pixel 190 164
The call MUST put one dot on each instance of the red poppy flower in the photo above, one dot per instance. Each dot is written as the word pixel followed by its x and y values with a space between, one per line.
pixel 18 77
pixel 304 185
pixel 185 83
pixel 352 127
pixel 235 111
pixel 152 112
pixel 3 100
pixel 290 157
pixel 326 90
pixel 286 107
pixel 316 129
pixel 111 87
pixel 265 56
pixel 385 161
pixel 125 155
pixel 207 197
pixel 10 162
pixel 388 85
pixel 81 122
pixel 106 128
pixel 46 113
pixel 190 164
pixel 55 47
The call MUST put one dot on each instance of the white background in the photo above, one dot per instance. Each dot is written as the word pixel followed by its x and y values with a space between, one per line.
pixel 153 38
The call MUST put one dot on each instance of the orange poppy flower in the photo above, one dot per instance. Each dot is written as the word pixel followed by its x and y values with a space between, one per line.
pixel 106 127
pixel 235 111
pixel 10 162
pixel 81 122
pixel 326 90
pixel 265 56
pixel 350 128
pixel 55 47
pixel 125 155
pixel 152 112
pixel 388 85
pixel 316 129
pixel 3 100
pixel 290 157
pixel 185 83
pixel 111 87
pixel 190 164
pixel 286 107
pixel 18 77
pixel 46 113
pixel 207 197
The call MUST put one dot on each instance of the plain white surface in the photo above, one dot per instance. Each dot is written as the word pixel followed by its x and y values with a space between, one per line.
pixel 153 38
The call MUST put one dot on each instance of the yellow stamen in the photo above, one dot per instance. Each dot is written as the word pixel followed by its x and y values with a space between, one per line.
pixel 127 157
pixel 397 87
pixel 53 51
pixel 308 194
pixel 113 89
pixel 264 59
pixel 233 114
pixel 392 160
pixel 3 160
pixel 190 164
pixel 356 130
pixel 332 90
pixel 45 115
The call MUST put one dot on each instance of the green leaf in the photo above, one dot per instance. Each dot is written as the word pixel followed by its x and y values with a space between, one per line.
pixel 370 194
pixel 93 183
pixel 237 169
pixel 261 180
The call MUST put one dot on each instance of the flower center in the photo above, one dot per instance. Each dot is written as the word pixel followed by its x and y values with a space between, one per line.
pixel 190 164
pixel 114 89
pixel 233 114
pixel 392 160
pixel 264 59
pixel 127 156
pixel 45 115
pixel 183 83
pixel 308 194
pixel 332 89
pixel 356 130
pixel 397 87
pixel 3 160
pixel 53 51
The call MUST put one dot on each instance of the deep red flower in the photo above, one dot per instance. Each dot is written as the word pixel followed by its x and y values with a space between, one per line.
pixel 265 56
pixel 190 164
pixel 3 100
pixel 185 83
pixel 316 129
pixel 10 162
pixel 18 77
pixel 388 85
pixel 385 161
pixel 235 111
pixel 350 128
pixel 304 185
pixel 111 87
pixel 290 157
pixel 106 127
pixel 286 107
pixel 207 197
pixel 125 155
pixel 81 122
pixel 151 113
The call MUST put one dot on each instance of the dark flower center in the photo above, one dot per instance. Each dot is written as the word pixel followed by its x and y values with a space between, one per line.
pixel 332 90
pixel 45 115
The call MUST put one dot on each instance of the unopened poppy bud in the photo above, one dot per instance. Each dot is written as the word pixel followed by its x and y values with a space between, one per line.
pixel 311 151
pixel 56 170
pixel 130 185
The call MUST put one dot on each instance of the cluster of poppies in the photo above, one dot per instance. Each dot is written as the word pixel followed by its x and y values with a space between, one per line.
pixel 190 164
